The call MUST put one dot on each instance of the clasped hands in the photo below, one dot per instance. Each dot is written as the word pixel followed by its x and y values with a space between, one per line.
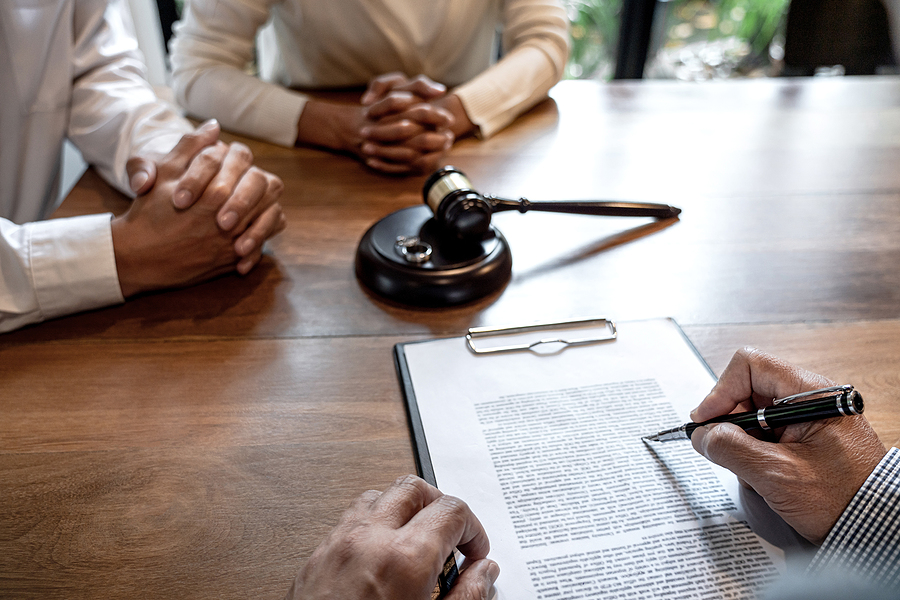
pixel 405 127
pixel 202 210
pixel 400 125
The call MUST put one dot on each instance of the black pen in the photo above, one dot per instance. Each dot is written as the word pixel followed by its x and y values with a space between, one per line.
pixel 446 578
pixel 837 401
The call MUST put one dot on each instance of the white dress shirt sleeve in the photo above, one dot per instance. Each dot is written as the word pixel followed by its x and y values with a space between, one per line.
pixel 58 267
pixel 53 268
pixel 115 113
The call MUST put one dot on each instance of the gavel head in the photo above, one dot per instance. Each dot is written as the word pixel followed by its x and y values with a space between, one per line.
pixel 458 208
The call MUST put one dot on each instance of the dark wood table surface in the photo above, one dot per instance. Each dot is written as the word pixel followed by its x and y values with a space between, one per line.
pixel 199 443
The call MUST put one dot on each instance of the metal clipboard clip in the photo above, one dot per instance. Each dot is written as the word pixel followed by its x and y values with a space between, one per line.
pixel 480 333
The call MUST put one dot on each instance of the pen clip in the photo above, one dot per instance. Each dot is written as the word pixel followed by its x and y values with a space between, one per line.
pixel 835 390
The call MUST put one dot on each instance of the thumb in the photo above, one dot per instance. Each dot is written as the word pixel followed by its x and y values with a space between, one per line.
pixel 191 144
pixel 380 86
pixel 141 174
pixel 731 447
pixel 475 581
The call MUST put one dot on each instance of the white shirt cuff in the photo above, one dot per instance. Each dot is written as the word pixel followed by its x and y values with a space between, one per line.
pixel 74 265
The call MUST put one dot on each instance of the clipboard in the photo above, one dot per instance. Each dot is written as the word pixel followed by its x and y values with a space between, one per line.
pixel 533 337
pixel 476 417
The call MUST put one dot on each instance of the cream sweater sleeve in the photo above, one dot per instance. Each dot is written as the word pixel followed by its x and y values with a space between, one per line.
pixel 536 48
pixel 210 52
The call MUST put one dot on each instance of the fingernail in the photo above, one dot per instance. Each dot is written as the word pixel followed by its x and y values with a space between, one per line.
pixel 228 220
pixel 365 132
pixel 244 266
pixel 694 415
pixel 138 180
pixel 207 125
pixel 182 199
pixel 245 247
pixel 698 440
pixel 493 571
pixel 367 148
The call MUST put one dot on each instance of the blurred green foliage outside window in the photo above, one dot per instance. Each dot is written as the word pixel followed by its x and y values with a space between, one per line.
pixel 691 39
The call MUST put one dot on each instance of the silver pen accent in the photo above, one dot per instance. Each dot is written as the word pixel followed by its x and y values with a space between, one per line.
pixel 669 435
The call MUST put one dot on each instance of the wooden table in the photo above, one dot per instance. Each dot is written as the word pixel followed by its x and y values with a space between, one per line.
pixel 199 443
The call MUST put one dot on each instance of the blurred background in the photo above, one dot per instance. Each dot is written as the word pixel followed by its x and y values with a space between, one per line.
pixel 690 39
pixel 696 40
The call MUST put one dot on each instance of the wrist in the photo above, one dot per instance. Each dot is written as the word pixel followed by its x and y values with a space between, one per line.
pixel 134 262
pixel 330 125
pixel 127 266
pixel 462 125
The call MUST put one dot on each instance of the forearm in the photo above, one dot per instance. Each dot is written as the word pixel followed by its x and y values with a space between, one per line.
pixel 212 47
pixel 331 125
pixel 462 124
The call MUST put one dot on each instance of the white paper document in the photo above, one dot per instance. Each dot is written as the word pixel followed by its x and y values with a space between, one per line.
pixel 546 449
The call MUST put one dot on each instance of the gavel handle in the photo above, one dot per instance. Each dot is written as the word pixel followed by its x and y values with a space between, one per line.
pixel 587 207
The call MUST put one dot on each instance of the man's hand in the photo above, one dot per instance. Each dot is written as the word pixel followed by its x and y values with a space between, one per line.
pixel 231 209
pixel 392 546
pixel 811 471
pixel 217 167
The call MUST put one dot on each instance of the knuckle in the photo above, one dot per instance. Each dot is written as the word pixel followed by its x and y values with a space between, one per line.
pixel 257 177
pixel 242 152
pixel 192 136
pixel 389 76
pixel 209 158
pixel 750 353
pixel 370 495
pixel 411 481
pixel 398 99
pixel 218 192
pixel 452 509
pixel 276 185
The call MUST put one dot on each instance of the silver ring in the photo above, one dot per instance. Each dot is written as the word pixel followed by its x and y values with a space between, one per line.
pixel 761 418
pixel 412 249
pixel 840 405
